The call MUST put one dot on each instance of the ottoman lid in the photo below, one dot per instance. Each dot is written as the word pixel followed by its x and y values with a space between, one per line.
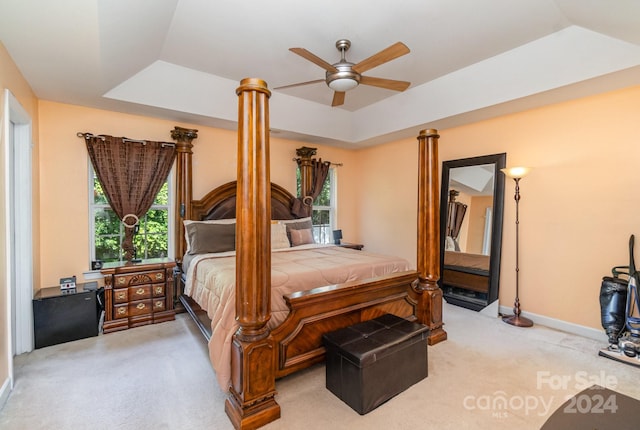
pixel 369 341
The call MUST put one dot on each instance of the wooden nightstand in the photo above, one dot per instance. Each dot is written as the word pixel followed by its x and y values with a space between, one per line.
pixel 357 246
pixel 138 293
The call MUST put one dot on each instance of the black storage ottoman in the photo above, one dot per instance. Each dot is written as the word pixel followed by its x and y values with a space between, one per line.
pixel 370 362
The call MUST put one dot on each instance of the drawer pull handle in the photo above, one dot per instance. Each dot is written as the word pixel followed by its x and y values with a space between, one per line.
pixel 159 276
pixel 121 311
pixel 140 291
pixel 120 296
pixel 121 280
pixel 158 290
pixel 159 304
pixel 140 306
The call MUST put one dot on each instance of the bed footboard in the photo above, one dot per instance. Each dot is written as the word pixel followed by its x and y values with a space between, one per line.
pixel 322 310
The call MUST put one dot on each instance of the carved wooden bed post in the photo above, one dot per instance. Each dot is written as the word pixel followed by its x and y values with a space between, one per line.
pixel 251 403
pixel 429 310
pixel 184 189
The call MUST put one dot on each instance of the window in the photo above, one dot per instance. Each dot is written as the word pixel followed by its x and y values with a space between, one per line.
pixel 324 209
pixel 153 239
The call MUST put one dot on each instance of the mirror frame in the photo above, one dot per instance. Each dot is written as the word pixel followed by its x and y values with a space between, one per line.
pixel 499 161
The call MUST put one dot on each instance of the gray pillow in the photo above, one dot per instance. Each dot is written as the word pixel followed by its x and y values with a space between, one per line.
pixel 206 238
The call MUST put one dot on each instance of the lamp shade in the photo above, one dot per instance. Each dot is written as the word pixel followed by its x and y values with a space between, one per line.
pixel 343 84
pixel 516 172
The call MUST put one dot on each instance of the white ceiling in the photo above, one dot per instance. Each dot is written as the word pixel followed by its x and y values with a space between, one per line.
pixel 183 59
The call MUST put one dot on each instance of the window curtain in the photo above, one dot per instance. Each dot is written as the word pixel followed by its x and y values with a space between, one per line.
pixel 303 206
pixel 131 173
pixel 457 211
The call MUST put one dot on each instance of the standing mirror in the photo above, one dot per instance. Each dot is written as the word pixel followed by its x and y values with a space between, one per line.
pixel 471 205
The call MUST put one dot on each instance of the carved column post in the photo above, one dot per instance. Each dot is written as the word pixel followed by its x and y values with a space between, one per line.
pixel 430 295
pixel 251 402
pixel 306 178
pixel 306 171
pixel 184 187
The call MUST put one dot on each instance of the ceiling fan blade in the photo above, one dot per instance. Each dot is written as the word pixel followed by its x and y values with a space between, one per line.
pixel 299 84
pixel 313 58
pixel 388 84
pixel 396 50
pixel 338 98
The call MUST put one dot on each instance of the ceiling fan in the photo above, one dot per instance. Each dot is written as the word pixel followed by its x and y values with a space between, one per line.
pixel 344 76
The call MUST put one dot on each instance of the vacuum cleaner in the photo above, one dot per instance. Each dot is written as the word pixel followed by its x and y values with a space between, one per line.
pixel 620 312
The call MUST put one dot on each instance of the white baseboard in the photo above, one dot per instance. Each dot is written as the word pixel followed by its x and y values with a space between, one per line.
pixel 557 324
pixel 5 390
pixel 491 310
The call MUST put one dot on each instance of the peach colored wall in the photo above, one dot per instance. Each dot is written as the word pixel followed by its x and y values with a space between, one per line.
pixel 579 204
pixel 387 198
pixel 64 168
pixel 12 79
pixel 569 238
pixel 477 217
pixel 463 235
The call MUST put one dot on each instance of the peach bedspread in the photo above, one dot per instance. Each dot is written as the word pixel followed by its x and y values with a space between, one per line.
pixel 463 259
pixel 210 282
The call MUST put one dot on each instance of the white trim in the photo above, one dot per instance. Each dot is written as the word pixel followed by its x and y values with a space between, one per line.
pixel 18 182
pixel 5 390
pixel 557 324
pixel 92 275
pixel 491 310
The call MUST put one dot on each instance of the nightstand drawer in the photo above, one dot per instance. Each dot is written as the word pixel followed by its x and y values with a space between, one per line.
pixel 158 305
pixel 140 292
pixel 121 311
pixel 142 307
pixel 121 295
pixel 158 290
pixel 127 280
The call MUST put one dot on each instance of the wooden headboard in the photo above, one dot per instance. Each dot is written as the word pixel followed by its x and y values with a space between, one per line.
pixel 220 203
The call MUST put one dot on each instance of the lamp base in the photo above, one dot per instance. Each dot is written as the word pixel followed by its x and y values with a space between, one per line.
pixel 517 321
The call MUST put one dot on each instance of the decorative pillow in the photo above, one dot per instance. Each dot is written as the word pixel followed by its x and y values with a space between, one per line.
pixel 279 237
pixel 211 221
pixel 211 237
pixel 297 224
pixel 301 237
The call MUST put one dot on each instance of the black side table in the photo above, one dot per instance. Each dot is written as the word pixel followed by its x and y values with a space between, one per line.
pixel 64 315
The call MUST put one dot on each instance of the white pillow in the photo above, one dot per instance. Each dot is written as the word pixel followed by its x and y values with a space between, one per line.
pixel 296 220
pixel 279 237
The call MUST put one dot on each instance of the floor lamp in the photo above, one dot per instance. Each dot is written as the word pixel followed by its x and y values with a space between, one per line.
pixel 517 173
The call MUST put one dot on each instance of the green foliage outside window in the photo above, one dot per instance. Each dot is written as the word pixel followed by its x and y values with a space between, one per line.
pixel 152 239
pixel 321 214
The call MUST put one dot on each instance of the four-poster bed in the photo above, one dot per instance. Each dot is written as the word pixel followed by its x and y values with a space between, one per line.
pixel 260 353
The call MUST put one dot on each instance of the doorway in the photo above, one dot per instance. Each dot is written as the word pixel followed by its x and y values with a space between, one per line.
pixel 18 179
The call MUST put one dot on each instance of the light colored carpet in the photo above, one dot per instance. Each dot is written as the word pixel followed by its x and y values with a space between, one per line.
pixel 487 375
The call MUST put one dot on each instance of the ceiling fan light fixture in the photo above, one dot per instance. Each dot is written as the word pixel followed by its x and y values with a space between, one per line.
pixel 344 79
pixel 343 84
pixel 344 76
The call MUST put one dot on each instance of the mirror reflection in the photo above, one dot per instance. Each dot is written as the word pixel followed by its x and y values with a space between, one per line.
pixel 470 209
pixel 472 204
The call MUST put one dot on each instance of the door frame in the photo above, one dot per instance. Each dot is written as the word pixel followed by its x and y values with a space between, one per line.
pixel 17 133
